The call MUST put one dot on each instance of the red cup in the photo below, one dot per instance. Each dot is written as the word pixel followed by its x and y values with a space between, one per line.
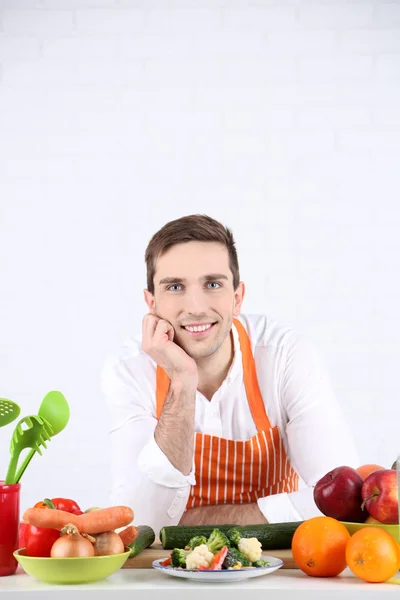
pixel 9 527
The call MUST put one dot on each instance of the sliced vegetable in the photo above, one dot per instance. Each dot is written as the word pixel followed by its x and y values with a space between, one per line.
pixel 98 521
pixel 234 536
pixel 196 541
pixel 262 562
pixel 108 543
pixel 216 541
pixel 166 562
pixel 145 538
pixel 178 557
pixel 217 561
pixel 72 543
pixel 233 557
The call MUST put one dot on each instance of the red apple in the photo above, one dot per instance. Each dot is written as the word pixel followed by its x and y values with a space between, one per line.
pixel 380 496
pixel 338 495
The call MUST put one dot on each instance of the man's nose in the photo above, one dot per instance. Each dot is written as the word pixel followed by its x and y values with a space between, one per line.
pixel 196 302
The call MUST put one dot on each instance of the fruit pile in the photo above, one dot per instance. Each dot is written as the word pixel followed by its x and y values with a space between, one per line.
pixel 367 494
pixel 322 547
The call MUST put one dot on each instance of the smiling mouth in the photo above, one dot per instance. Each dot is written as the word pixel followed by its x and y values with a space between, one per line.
pixel 198 329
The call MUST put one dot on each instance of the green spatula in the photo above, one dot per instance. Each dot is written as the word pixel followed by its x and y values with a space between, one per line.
pixel 55 410
pixel 9 411
pixel 31 432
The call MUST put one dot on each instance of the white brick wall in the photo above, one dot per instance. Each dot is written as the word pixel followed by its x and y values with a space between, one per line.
pixel 281 118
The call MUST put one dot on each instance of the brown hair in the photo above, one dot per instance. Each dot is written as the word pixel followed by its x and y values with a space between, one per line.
pixel 192 228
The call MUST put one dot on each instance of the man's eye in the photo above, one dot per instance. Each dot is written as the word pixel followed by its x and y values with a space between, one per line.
pixel 175 288
pixel 214 285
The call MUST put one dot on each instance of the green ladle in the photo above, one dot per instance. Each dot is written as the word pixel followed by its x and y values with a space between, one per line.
pixel 9 411
pixel 30 432
pixel 55 410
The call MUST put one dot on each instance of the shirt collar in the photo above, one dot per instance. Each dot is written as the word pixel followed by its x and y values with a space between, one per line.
pixel 236 366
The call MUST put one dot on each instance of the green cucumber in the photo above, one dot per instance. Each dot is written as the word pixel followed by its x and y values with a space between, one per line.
pixel 178 536
pixel 271 535
pixel 144 539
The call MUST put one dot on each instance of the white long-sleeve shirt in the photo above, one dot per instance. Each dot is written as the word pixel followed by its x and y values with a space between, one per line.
pixel 298 397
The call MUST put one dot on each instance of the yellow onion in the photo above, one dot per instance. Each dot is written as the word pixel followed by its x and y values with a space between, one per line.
pixel 71 543
pixel 108 543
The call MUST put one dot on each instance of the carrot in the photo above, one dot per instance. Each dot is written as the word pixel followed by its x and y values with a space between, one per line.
pixel 128 535
pixel 105 519
pixel 53 518
pixel 98 521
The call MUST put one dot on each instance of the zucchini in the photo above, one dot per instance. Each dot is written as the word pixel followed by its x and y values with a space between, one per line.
pixel 178 536
pixel 271 535
pixel 144 539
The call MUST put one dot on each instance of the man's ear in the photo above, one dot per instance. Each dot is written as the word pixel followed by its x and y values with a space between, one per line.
pixel 150 301
pixel 238 299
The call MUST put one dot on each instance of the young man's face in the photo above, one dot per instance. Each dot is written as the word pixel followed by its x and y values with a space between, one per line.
pixel 193 290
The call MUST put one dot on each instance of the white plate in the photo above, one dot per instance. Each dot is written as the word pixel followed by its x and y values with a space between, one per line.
pixel 222 575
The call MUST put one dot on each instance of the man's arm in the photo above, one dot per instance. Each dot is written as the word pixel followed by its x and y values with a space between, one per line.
pixel 224 514
pixel 141 475
pixel 174 433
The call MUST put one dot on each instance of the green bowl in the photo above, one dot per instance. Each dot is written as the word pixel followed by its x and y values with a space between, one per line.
pixel 70 570
pixel 394 530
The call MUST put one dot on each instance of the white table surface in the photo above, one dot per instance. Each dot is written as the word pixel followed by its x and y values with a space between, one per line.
pixel 149 583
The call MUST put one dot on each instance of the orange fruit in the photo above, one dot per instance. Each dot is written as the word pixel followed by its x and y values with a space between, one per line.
pixel 365 470
pixel 373 554
pixel 319 546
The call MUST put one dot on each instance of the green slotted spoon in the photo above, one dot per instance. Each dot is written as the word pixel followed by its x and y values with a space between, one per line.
pixel 9 411
pixel 36 433
pixel 55 410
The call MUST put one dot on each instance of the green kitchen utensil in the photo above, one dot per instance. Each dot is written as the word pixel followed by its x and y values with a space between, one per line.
pixel 55 410
pixel 9 411
pixel 36 434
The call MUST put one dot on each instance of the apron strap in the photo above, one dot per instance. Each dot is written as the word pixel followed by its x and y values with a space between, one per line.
pixel 253 392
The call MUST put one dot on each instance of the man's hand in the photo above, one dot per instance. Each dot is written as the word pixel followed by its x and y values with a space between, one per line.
pixel 224 514
pixel 157 342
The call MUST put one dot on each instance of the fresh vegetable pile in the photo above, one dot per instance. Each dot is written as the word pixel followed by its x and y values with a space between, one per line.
pixel 59 528
pixel 218 551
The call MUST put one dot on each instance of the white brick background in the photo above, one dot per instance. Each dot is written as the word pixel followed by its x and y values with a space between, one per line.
pixel 279 118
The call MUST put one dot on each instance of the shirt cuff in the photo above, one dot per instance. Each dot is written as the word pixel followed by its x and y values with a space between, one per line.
pixel 153 462
pixel 283 508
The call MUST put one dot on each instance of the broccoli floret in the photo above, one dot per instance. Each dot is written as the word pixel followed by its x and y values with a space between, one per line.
pixel 178 557
pixel 261 562
pixel 197 540
pixel 216 541
pixel 234 537
pixel 234 557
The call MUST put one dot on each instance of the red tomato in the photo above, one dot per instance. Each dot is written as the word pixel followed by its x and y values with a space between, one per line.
pixel 39 540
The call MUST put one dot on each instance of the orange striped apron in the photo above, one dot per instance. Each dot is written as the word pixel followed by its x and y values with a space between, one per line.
pixel 236 471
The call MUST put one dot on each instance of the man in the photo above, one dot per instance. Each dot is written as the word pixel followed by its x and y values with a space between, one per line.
pixel 215 414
